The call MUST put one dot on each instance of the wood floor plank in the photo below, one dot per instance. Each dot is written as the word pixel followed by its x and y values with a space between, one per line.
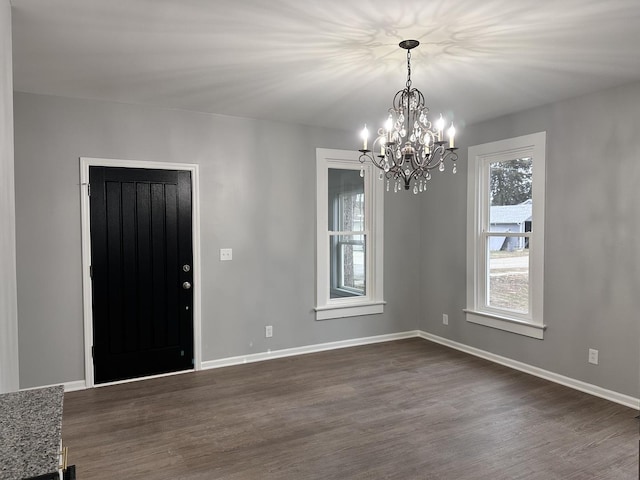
pixel 409 409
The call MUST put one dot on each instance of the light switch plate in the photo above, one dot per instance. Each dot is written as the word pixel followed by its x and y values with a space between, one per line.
pixel 226 254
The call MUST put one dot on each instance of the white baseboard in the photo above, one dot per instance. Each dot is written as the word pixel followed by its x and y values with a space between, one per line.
pixel 254 357
pixel 68 386
pixel 620 398
pixel 73 386
pixel 138 379
pixel 320 347
pixel 610 395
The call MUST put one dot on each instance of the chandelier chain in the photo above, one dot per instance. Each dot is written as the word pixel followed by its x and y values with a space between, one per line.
pixel 408 69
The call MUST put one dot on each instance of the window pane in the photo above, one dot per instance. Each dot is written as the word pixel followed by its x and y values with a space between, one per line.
pixel 346 200
pixel 508 285
pixel 348 270
pixel 510 189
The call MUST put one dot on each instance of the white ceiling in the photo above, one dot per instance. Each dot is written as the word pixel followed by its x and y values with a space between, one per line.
pixel 326 62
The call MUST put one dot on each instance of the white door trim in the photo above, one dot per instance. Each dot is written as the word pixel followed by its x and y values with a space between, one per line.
pixel 87 294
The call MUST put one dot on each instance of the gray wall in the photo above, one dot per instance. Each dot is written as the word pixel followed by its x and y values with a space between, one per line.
pixel 258 197
pixel 257 182
pixel 592 260
pixel 8 302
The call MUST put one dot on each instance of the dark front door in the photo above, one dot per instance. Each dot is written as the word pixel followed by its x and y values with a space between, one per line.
pixel 141 267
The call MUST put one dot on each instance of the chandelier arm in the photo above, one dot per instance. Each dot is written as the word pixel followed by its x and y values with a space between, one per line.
pixel 369 155
pixel 446 154
pixel 433 160
pixel 397 101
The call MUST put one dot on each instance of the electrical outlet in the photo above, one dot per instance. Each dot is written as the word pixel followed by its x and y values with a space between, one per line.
pixel 268 331
pixel 593 356
pixel 445 319
pixel 226 254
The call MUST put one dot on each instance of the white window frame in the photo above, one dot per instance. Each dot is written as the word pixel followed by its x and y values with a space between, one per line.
pixel 478 202
pixel 372 302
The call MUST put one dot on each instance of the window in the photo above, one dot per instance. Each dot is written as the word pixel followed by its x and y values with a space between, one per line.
pixel 349 236
pixel 505 234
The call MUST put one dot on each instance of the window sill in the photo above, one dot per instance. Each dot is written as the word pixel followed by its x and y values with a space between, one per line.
pixel 328 312
pixel 507 324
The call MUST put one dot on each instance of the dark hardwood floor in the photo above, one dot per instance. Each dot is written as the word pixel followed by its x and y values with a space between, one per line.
pixel 409 409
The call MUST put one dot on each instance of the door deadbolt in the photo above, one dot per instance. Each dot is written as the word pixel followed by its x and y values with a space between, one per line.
pixel 186 285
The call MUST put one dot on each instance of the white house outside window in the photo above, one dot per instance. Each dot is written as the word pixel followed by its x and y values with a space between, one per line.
pixel 505 241
pixel 349 237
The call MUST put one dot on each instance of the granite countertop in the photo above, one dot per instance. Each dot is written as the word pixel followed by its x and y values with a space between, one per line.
pixel 30 432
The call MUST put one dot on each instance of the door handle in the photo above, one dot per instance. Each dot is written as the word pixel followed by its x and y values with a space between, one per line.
pixel 186 285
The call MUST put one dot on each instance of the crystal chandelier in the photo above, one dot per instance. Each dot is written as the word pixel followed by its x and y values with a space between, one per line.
pixel 409 146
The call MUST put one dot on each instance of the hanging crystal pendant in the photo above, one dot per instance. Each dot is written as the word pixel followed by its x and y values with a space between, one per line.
pixel 420 188
pixel 415 189
pixel 380 175
pixel 454 169
pixel 387 185
pixel 395 187
pixel 428 176
pixel 441 166
pixel 362 172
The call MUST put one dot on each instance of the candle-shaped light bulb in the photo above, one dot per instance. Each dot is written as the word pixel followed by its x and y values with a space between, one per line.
pixel 452 134
pixel 440 127
pixel 383 142
pixel 365 136
pixel 388 124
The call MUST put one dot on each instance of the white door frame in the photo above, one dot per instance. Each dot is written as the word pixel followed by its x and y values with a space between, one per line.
pixel 87 294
